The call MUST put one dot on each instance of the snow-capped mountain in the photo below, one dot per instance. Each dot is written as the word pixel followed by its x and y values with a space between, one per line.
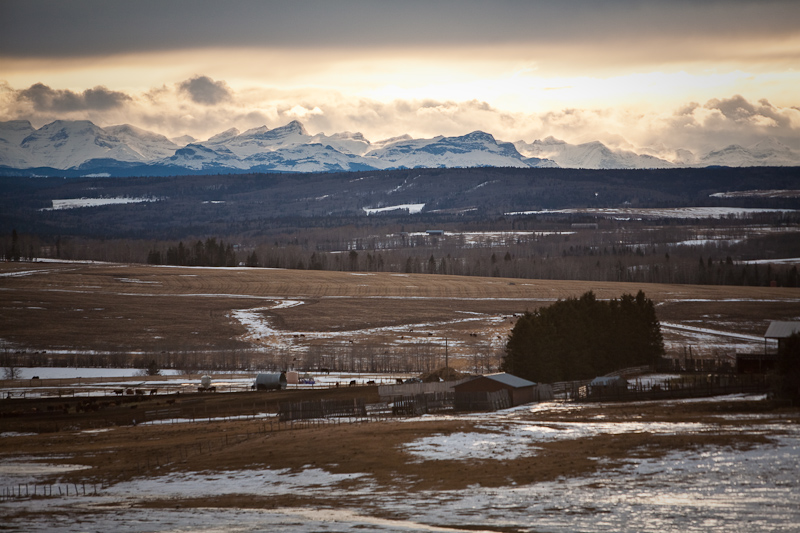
pixel 12 134
pixel 472 150
pixel 66 144
pixel 592 155
pixel 261 139
pixel 147 144
pixel 196 156
pixel 769 152
pixel 81 147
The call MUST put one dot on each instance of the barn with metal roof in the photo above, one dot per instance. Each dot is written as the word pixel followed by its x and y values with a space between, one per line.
pixel 756 363
pixel 498 391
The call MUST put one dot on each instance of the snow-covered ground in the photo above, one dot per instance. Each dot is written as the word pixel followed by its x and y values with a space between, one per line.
pixel 412 209
pixel 673 212
pixel 47 372
pixel 75 203
pixel 708 488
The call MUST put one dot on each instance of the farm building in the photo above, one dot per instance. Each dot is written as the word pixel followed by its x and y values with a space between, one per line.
pixel 781 331
pixel 273 381
pixel 498 391
pixel 757 363
pixel 608 386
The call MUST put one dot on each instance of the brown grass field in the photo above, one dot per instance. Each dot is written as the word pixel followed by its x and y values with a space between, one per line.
pixel 138 308
pixel 123 308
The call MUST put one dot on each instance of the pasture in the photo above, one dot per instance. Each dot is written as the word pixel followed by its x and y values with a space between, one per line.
pixel 300 318
pixel 225 460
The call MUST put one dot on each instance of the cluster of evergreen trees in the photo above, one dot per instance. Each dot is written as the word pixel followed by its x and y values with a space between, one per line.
pixel 581 338
pixel 208 253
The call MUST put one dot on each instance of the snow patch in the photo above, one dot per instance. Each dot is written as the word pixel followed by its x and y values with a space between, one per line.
pixel 75 203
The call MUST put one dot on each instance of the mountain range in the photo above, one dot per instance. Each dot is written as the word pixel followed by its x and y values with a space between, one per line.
pixel 81 148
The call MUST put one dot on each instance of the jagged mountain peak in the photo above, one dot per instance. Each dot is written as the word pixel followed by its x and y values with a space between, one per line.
pixel 78 144
pixel 294 127
pixel 549 140
pixel 227 134
pixel 475 136
pixel 183 140
pixel 350 136
pixel 127 130
pixel 392 140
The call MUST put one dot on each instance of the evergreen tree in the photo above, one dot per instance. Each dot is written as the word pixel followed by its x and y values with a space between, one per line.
pixel 583 338
pixel 15 249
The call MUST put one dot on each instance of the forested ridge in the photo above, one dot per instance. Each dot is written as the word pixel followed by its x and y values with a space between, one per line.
pixel 491 222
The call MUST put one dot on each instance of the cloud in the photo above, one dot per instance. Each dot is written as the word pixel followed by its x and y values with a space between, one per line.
pixel 44 98
pixel 156 26
pixel 738 109
pixel 203 90
pixel 303 112
pixel 203 107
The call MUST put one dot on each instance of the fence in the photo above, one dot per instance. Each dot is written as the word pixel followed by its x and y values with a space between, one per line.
pixel 420 404
pixel 679 388
pixel 322 409
pixel 28 490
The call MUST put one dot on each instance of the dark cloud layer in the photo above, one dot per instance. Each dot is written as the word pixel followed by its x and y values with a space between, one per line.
pixel 44 98
pixel 55 28
pixel 204 90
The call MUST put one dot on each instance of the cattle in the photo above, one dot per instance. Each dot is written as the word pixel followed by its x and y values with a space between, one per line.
pixel 352 383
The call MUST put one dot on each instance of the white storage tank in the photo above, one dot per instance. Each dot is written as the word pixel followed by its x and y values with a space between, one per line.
pixel 271 381
pixel 205 382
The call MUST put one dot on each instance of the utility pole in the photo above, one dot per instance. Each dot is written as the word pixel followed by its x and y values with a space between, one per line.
pixel 446 364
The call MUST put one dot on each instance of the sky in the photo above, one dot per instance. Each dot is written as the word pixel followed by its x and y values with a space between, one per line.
pixel 640 75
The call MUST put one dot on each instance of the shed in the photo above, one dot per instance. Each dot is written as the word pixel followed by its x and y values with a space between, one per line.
pixel 758 363
pixel 781 331
pixel 273 381
pixel 520 391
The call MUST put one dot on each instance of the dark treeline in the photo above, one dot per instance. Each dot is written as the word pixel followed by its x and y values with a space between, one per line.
pixel 209 253
pixel 726 252
pixel 496 222
pixel 581 338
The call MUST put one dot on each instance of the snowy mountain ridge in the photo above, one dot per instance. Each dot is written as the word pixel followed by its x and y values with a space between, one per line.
pixel 82 145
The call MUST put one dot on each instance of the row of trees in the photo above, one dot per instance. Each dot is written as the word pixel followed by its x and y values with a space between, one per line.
pixel 543 249
pixel 581 338
pixel 209 253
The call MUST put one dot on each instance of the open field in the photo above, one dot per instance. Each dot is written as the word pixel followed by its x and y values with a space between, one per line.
pixel 291 315
pixel 225 462
pixel 720 464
